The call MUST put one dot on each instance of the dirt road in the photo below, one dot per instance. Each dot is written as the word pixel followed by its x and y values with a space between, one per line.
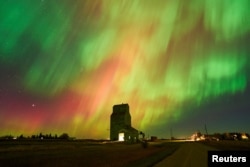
pixel 188 155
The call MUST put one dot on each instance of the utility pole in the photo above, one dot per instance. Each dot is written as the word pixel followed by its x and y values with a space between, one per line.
pixel 206 129
pixel 171 134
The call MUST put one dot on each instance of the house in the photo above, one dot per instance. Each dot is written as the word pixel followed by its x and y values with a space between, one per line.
pixel 120 124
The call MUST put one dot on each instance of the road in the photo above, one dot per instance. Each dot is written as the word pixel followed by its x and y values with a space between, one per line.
pixel 188 155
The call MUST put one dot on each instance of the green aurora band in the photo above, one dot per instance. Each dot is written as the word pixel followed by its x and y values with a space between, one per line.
pixel 155 55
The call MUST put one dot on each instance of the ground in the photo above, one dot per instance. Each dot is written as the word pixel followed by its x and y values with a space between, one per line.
pixel 97 153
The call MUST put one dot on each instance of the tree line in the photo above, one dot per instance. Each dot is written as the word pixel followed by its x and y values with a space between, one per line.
pixel 40 136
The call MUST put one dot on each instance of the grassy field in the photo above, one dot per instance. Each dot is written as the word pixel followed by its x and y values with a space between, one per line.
pixel 93 153
pixel 82 153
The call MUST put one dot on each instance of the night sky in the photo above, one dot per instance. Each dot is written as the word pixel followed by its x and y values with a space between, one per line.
pixel 179 64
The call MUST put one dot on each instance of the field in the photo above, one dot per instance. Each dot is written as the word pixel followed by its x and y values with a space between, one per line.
pixel 82 153
pixel 230 145
pixel 97 153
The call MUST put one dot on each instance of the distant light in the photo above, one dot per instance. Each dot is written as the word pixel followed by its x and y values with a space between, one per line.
pixel 244 137
pixel 121 137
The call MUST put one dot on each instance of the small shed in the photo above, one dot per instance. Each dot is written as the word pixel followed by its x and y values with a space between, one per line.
pixel 128 134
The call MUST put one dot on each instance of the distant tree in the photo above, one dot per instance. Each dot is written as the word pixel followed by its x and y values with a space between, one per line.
pixel 143 134
pixel 6 137
pixel 21 137
pixel 40 135
pixel 64 136
pixel 218 136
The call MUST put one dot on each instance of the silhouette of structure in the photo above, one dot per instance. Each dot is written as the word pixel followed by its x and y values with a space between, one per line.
pixel 120 124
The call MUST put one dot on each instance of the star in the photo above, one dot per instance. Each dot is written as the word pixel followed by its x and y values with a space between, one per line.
pixel 33 105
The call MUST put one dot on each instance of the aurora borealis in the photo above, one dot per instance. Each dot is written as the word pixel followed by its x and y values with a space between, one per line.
pixel 178 63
